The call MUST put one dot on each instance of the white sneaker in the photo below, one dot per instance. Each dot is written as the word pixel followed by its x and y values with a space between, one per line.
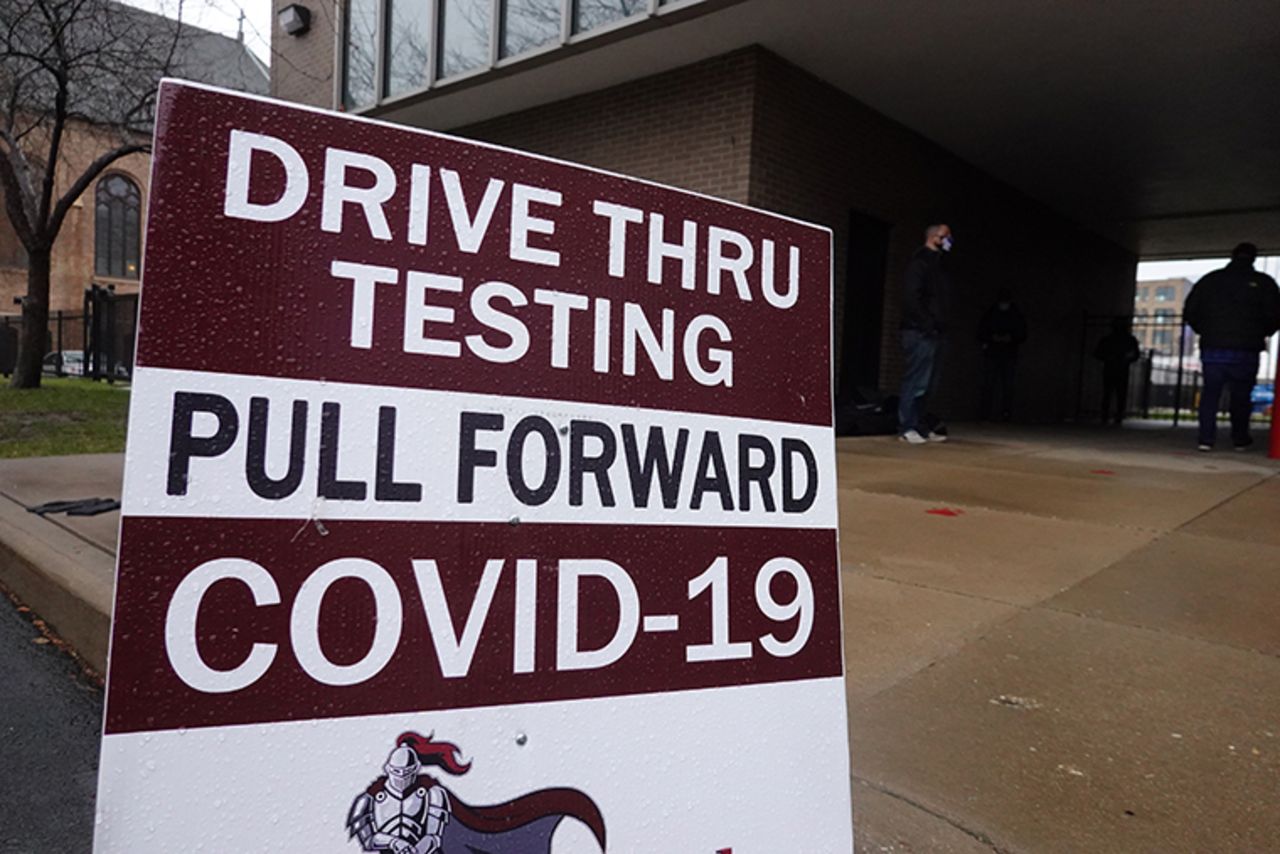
pixel 911 437
pixel 936 437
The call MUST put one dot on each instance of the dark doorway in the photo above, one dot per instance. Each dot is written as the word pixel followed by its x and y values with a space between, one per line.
pixel 863 304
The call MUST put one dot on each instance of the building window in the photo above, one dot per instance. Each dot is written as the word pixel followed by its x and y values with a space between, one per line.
pixel 117 213
pixel 589 14
pixel 359 61
pixel 466 27
pixel 1164 315
pixel 393 48
pixel 528 25
pixel 408 36
pixel 1166 293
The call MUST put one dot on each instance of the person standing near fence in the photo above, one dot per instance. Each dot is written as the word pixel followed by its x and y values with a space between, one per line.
pixel 1233 310
pixel 1117 351
pixel 1000 333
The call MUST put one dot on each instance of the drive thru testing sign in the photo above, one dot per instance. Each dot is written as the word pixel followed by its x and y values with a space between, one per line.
pixel 474 502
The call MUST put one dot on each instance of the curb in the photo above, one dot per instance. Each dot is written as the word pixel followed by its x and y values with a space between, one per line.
pixel 63 578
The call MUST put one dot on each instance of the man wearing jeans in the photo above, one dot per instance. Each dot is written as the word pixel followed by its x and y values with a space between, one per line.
pixel 1234 310
pixel 924 301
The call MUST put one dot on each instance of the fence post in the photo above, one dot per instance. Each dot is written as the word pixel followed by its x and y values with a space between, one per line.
pixel 1274 451
pixel 91 323
pixel 1182 351
pixel 1146 383
pixel 109 302
pixel 84 332
pixel 95 335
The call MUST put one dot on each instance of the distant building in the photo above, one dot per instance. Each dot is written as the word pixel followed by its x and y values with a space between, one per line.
pixel 101 239
pixel 1157 317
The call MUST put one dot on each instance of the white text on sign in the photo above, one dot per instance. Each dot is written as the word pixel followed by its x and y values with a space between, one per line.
pixel 357 187
pixel 456 649
pixel 275 447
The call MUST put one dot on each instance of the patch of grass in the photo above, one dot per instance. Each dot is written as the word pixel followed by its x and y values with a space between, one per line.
pixel 63 416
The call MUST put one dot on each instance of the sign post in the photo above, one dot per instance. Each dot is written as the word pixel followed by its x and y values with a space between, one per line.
pixel 1273 435
pixel 474 501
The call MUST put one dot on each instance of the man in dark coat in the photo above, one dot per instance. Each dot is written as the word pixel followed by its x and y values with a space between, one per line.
pixel 924 304
pixel 1117 351
pixel 1000 333
pixel 1233 310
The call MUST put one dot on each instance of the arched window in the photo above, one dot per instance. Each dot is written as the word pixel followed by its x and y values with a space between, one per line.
pixel 117 212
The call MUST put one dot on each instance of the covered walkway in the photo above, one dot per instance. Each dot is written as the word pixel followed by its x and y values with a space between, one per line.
pixel 1062 640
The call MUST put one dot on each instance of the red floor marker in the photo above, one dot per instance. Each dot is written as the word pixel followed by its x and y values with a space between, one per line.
pixel 944 511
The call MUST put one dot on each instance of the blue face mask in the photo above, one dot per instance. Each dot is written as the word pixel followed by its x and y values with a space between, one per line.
pixel 946 244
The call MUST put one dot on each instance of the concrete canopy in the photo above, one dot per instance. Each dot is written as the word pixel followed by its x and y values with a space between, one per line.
pixel 1156 124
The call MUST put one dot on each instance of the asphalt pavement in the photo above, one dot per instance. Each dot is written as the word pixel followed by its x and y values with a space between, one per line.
pixel 50 728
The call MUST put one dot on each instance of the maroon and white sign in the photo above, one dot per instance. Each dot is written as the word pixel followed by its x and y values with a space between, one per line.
pixel 474 502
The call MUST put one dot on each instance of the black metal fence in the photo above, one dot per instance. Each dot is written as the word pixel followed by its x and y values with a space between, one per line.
pixel 97 342
pixel 1164 383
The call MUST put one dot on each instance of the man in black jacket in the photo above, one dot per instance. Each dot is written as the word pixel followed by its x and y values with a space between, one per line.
pixel 1000 333
pixel 1117 351
pixel 1234 310
pixel 924 301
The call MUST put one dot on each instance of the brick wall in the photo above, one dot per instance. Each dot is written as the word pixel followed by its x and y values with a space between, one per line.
pixel 302 67
pixel 73 253
pixel 689 128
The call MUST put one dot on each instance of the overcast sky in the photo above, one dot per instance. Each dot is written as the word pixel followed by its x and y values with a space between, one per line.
pixel 222 16
pixel 1193 270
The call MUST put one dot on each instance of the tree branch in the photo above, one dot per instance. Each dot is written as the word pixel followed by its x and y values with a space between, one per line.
pixel 18 189
pixel 87 177
pixel 13 198
pixel 58 115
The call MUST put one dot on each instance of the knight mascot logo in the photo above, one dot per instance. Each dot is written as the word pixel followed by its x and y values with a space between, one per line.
pixel 408 812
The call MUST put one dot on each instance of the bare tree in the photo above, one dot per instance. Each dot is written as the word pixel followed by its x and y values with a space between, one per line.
pixel 68 66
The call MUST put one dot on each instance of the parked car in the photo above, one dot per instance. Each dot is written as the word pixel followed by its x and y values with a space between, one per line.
pixel 1264 397
pixel 72 363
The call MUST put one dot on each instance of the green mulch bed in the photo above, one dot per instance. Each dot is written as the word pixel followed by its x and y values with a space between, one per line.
pixel 64 416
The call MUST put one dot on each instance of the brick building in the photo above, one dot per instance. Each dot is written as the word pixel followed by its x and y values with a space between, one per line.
pixel 871 119
pixel 101 239
pixel 1157 313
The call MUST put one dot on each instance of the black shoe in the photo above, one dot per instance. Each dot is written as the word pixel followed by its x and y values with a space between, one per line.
pixel 1243 446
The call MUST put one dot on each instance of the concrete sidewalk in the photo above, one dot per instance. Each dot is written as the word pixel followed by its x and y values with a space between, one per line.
pixel 1056 640
pixel 62 566
pixel 1086 657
